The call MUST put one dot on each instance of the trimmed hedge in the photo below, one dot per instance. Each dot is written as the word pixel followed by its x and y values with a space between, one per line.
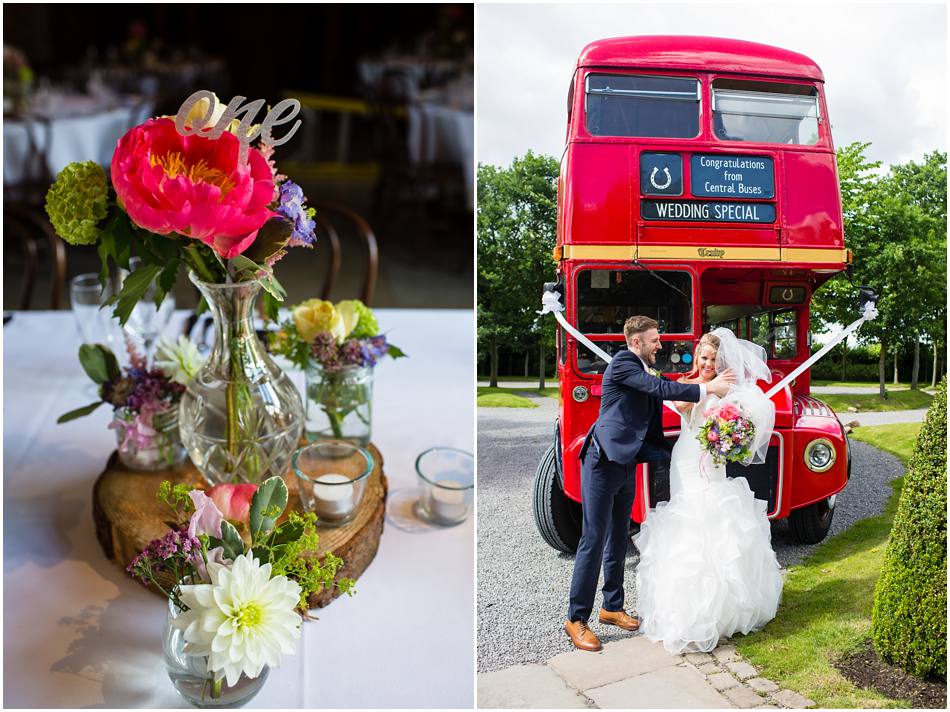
pixel 909 620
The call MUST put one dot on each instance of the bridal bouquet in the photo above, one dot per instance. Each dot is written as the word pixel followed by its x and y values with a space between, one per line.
pixel 727 434
pixel 144 400
pixel 238 581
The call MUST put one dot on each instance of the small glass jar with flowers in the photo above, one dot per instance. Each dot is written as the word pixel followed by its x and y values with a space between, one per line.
pixel 238 577
pixel 337 346
pixel 144 400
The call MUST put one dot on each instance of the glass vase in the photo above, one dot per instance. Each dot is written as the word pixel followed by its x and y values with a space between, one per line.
pixel 190 676
pixel 148 446
pixel 339 403
pixel 241 416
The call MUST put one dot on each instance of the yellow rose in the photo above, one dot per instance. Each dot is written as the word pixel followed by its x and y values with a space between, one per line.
pixel 316 316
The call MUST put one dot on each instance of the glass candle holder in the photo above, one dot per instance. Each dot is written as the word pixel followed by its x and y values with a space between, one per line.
pixel 331 479
pixel 447 484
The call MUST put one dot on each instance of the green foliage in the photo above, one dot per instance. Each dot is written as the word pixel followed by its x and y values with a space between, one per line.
pixel 910 601
pixel 366 324
pixel 295 559
pixel 896 226
pixel 267 504
pixel 176 497
pixel 288 343
pixel 516 224
pixel 78 202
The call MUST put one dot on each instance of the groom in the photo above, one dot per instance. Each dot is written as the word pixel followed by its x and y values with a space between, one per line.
pixel 628 430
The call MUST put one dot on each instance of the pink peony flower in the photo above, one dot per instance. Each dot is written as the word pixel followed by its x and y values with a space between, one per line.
pixel 192 186
pixel 712 437
pixel 233 501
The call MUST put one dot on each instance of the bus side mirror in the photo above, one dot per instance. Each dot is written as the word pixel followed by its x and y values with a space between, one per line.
pixel 865 295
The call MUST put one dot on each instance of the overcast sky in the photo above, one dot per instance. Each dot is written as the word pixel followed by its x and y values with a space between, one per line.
pixel 885 65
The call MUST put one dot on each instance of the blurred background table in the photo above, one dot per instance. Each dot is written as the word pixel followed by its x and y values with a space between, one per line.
pixel 78 632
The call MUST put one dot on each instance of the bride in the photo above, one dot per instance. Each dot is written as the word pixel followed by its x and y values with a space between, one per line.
pixel 707 569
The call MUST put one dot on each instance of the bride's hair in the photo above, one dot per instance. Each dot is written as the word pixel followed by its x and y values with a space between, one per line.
pixel 710 340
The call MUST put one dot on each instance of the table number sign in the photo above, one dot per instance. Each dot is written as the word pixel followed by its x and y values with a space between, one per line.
pixel 282 113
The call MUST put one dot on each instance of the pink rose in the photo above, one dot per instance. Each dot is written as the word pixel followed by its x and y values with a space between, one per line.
pixel 728 411
pixel 712 437
pixel 207 517
pixel 233 501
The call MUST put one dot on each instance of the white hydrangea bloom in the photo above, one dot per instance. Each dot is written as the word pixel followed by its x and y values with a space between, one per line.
pixel 244 619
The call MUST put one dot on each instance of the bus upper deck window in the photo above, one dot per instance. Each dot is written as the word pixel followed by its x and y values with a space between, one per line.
pixel 659 107
pixel 765 112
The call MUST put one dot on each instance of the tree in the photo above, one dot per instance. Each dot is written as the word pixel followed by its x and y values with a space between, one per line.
pixel 896 227
pixel 516 222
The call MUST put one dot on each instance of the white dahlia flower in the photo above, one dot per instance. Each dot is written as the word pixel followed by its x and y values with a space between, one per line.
pixel 244 619
pixel 178 361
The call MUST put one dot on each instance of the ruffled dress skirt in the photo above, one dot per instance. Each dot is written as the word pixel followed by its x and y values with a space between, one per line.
pixel 707 569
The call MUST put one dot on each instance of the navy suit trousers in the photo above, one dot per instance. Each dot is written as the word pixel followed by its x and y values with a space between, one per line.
pixel 607 493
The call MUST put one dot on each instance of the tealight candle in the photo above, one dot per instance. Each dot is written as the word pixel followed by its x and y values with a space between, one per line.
pixel 332 498
pixel 448 504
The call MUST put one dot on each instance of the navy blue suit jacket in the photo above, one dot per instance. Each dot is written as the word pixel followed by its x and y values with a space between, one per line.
pixel 631 406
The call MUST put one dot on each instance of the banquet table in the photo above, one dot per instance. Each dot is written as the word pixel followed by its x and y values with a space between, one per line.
pixel 89 137
pixel 78 632
pixel 443 134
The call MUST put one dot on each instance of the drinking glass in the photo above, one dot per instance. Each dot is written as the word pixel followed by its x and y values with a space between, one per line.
pixel 95 325
pixel 146 322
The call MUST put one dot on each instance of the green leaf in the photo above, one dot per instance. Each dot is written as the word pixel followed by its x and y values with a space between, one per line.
pixel 231 540
pixel 98 362
pixel 396 352
pixel 271 238
pixel 133 289
pixel 272 494
pixel 79 412
pixel 166 280
pixel 271 306
pixel 288 532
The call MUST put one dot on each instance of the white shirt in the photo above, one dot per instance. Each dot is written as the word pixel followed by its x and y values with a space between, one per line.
pixel 702 386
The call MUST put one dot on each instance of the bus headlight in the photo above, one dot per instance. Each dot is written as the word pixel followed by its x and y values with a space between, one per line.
pixel 580 394
pixel 820 455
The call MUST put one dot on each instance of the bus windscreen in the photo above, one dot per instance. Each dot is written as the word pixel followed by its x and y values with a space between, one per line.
pixel 773 116
pixel 659 107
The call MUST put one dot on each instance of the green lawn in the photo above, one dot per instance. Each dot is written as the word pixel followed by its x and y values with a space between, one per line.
pixel 827 601
pixel 871 384
pixel 501 398
pixel 896 400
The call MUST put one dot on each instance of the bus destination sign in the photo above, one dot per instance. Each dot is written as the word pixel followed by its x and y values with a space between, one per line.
pixel 707 211
pixel 715 176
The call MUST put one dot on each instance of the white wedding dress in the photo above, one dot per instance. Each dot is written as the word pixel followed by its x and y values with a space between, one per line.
pixel 707 569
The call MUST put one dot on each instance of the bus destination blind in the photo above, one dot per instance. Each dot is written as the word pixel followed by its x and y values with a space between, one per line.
pixel 716 176
pixel 707 211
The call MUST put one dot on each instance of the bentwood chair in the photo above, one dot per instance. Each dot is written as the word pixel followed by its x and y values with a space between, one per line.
pixel 28 232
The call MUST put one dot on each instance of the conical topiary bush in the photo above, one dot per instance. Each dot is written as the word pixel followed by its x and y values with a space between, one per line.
pixel 909 621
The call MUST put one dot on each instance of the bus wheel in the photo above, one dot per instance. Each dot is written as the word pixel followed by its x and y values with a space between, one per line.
pixel 556 515
pixel 809 525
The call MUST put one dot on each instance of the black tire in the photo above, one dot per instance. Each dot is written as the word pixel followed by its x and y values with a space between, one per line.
pixel 557 516
pixel 810 525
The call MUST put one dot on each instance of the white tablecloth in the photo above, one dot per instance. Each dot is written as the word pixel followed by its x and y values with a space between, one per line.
pixel 80 138
pixel 443 134
pixel 78 632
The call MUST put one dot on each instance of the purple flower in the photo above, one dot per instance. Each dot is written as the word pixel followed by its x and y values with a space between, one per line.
pixel 207 517
pixel 292 207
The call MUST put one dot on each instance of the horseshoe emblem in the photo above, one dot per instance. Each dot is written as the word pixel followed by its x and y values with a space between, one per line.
pixel 787 295
pixel 669 178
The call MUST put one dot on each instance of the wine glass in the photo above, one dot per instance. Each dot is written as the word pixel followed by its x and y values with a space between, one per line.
pixel 146 321
pixel 94 324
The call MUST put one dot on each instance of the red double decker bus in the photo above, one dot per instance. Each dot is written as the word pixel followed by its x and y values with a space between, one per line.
pixel 699 187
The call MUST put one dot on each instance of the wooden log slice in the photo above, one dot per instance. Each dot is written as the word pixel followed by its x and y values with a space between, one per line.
pixel 128 515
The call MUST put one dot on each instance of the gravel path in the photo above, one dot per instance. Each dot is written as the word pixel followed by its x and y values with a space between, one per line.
pixel 523 583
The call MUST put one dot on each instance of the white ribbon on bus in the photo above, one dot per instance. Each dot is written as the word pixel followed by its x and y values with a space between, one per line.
pixel 551 302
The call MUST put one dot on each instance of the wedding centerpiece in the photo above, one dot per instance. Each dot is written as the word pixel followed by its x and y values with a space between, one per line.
pixel 337 346
pixel 727 435
pixel 190 191
pixel 237 584
pixel 144 400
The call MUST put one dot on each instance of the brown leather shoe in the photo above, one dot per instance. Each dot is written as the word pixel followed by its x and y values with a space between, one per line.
pixel 619 619
pixel 582 636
